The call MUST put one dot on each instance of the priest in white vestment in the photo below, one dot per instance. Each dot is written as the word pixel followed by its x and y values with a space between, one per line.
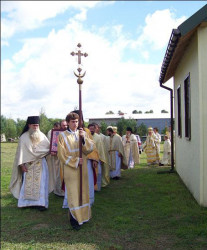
pixel 166 159
pixel 131 148
pixel 30 175
pixel 116 155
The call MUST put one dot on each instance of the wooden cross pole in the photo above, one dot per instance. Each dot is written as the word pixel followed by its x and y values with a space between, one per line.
pixel 80 82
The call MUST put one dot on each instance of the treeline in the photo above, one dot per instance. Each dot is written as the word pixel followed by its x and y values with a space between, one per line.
pixel 135 112
pixel 13 129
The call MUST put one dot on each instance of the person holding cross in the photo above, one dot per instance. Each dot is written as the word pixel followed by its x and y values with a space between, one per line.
pixel 76 183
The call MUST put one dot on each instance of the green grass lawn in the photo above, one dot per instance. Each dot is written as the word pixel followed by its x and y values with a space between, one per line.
pixel 142 210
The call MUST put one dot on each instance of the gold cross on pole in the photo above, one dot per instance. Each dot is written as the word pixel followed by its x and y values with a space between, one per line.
pixel 79 54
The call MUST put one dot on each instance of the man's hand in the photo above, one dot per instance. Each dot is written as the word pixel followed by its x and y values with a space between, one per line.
pixel 53 153
pixel 120 155
pixel 95 164
pixel 81 132
pixel 23 168
pixel 80 161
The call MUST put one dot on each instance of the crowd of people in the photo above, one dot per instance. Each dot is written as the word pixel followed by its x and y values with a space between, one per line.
pixel 85 162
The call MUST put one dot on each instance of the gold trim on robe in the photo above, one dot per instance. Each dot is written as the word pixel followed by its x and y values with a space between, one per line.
pixel 32 180
pixel 68 154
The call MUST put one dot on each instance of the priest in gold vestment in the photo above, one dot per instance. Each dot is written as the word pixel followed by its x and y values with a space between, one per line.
pixel 151 148
pixel 68 154
pixel 116 155
pixel 101 154
pixel 105 173
pixel 30 182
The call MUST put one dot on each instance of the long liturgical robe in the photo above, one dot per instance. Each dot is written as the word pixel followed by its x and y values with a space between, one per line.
pixel 32 187
pixel 166 152
pixel 92 173
pixel 102 159
pixel 68 153
pixel 115 147
pixel 151 149
pixel 131 150
pixel 105 180
pixel 57 170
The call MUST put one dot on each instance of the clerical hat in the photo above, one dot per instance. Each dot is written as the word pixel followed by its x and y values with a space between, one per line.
pixel 129 129
pixel 33 120
pixel 150 129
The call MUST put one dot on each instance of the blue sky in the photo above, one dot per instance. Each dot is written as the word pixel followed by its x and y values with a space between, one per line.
pixel 125 40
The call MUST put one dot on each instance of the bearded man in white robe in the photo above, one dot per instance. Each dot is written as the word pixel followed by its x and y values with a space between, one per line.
pixel 131 148
pixel 30 176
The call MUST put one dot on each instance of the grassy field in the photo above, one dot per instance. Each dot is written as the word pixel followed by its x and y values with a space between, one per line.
pixel 142 210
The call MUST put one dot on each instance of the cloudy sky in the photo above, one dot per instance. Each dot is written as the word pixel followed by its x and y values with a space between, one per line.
pixel 125 40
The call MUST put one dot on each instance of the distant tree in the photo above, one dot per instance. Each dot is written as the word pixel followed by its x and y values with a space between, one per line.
pixel 11 130
pixel 109 112
pixel 136 112
pixel 86 124
pixel 20 126
pixel 142 129
pixel 52 121
pixel 164 111
pixel 103 127
pixel 3 124
pixel 149 112
pixel 163 132
pixel 45 125
pixel 122 124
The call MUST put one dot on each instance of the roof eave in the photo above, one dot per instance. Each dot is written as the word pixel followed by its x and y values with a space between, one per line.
pixel 178 42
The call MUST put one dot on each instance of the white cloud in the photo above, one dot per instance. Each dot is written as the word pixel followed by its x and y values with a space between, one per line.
pixel 41 73
pixel 157 29
pixel 27 15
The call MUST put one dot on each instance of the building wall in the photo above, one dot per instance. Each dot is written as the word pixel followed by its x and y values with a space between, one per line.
pixel 188 161
pixel 202 55
pixel 160 123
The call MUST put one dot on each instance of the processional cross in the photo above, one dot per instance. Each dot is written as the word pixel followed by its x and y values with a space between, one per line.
pixel 79 54
pixel 80 81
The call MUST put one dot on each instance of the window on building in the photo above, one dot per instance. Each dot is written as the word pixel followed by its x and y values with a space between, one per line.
pixel 187 107
pixel 179 111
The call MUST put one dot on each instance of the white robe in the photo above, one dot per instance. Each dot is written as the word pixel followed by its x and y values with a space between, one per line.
pixel 166 160
pixel 131 150
pixel 28 190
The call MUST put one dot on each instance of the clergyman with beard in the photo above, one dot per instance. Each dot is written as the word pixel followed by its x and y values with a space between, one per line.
pixel 30 175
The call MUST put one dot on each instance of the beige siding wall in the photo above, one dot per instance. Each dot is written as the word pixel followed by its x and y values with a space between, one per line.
pixel 187 151
pixel 202 60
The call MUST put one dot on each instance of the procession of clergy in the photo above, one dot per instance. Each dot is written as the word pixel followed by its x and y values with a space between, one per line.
pixel 38 172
